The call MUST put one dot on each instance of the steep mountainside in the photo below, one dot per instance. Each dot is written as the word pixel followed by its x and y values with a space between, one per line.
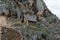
pixel 28 20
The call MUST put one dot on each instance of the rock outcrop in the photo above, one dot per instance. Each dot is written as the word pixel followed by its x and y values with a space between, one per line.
pixel 27 20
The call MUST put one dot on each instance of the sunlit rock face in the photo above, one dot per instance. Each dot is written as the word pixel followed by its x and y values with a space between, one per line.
pixel 3 21
pixel 40 5
pixel 28 20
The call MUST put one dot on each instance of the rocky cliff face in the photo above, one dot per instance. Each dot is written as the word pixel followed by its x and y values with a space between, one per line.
pixel 28 20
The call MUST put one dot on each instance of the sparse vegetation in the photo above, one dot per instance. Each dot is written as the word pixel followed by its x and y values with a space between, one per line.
pixel 39 27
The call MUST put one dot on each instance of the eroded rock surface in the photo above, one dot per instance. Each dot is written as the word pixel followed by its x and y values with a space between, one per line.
pixel 10 34
pixel 28 20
